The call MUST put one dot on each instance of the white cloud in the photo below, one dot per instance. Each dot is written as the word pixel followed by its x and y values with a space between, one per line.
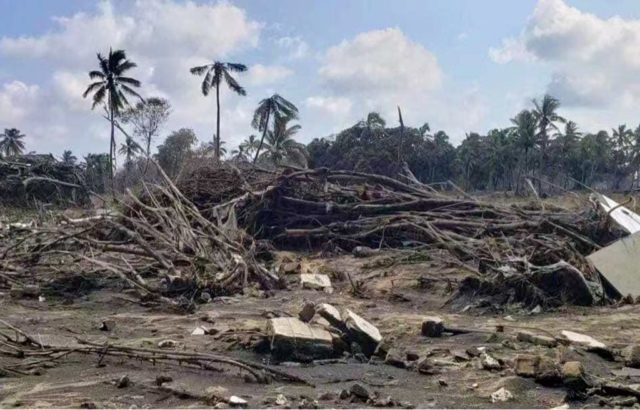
pixel 17 101
pixel 264 75
pixel 164 37
pixel 329 105
pixel 296 46
pixel 381 60
pixel 595 61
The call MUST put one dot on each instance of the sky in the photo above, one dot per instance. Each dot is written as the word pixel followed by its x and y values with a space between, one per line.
pixel 460 65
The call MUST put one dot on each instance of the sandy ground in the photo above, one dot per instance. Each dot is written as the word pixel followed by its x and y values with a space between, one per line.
pixel 395 303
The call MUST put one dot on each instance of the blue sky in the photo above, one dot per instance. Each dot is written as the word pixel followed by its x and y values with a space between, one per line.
pixel 461 65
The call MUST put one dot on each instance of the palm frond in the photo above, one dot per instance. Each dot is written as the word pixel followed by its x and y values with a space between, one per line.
pixel 199 70
pixel 233 84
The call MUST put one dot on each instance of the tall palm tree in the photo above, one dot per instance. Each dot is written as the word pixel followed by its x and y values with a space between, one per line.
pixel 68 158
pixel 113 86
pixel 214 74
pixel 272 107
pixel 280 144
pixel 546 116
pixel 130 149
pixel 248 145
pixel 11 143
pixel 525 131
pixel 621 137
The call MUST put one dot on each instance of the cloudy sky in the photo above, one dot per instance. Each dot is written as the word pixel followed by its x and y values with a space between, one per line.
pixel 461 65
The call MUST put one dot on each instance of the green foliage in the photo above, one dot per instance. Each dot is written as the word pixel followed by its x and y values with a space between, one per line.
pixel 11 143
pixel 97 172
pixel 175 151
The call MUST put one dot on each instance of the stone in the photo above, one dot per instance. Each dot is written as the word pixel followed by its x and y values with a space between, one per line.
pixel 217 393
pixel 548 372
pixel 395 359
pixel 412 356
pixel 327 396
pixel 281 400
pixel 501 395
pixel 582 340
pixel 344 394
pixel 24 291
pixel 488 362
pixel 163 378
pixel 331 315
pixel 632 356
pixel 460 356
pixel 363 332
pixel 123 382
pixel 167 344
pixel 291 338
pixel 107 325
pixel 572 370
pixel 88 404
pixel 237 402
pixel 205 297
pixel 358 390
pixel 432 326
pixel 307 312
pixel 529 337
pixel 290 268
pixel 474 351
pixel 317 281
pixel 526 365
pixel 199 331
pixel 363 251
pixel 425 366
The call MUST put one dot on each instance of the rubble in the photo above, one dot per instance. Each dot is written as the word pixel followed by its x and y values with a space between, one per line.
pixel 360 391
pixel 307 312
pixel 290 337
pixel 488 362
pixel 526 365
pixel 331 315
pixel 432 326
pixel 363 332
pixel 237 402
pixel 632 356
pixel 582 340
pixel 617 263
pixel 529 337
pixel 501 395
pixel 316 281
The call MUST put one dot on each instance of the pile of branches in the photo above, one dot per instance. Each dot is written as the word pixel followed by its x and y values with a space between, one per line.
pixel 538 252
pixel 164 247
pixel 30 179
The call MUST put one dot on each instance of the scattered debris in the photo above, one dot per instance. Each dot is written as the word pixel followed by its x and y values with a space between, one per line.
pixel 488 362
pixel 316 281
pixel 199 331
pixel 627 219
pixel 432 326
pixel 363 332
pixel 529 337
pixel 526 365
pixel 237 402
pixel 501 396
pixel 632 356
pixel 618 264
pixel 107 325
pixel 360 391
pixel 123 382
pixel 582 340
pixel 307 312
pixel 167 344
pixel 289 337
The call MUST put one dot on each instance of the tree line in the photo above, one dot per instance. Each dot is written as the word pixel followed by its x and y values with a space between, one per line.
pixel 539 144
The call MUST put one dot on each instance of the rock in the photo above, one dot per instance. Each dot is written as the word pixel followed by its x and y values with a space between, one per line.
pixel 237 402
pixel 489 362
pixel 363 332
pixel 432 326
pixel 624 402
pixel 217 393
pixel 443 383
pixel 107 325
pixel 412 356
pixel 205 297
pixel 460 356
pixel 574 378
pixel 501 395
pixel 281 400
pixel 123 382
pixel 199 331
pixel 317 281
pixel 582 340
pixel 548 372
pixel 529 337
pixel 167 344
pixel 327 396
pixel 536 310
pixel 307 312
pixel 331 315
pixel 163 378
pixel 25 291
pixel 394 359
pixel 363 251
pixel 360 391
pixel 474 351
pixel 632 356
pixel 344 394
pixel 41 299
pixel 425 366
pixel 572 370
pixel 385 402
pixel 526 365
pixel 88 404
pixel 292 338
pixel 290 268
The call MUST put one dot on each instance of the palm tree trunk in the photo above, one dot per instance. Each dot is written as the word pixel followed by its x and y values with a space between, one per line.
pixel 112 143
pixel 217 139
pixel 264 133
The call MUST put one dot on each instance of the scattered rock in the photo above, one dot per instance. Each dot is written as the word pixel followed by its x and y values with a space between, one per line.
pixel 529 337
pixel 443 383
pixel 425 366
pixel 432 326
pixel 574 377
pixel 412 356
pixel 331 315
pixel 501 395
pixel 363 332
pixel 290 268
pixel 582 340
pixel 360 391
pixel 281 400
pixel 624 402
pixel 307 312
pixel 205 297
pixel 327 396
pixel 474 351
pixel 163 378
pixel 536 310
pixel 41 299
pixel 344 394
pixel 526 365
pixel 632 356
pixel 395 359
pixel 25 291
pixel 292 338
pixel 107 325
pixel 199 331
pixel 237 402
pixel 123 382
pixel 460 356
pixel 363 251
pixel 489 362
pixel 167 344
pixel 88 404
pixel 548 372
pixel 317 281
pixel 217 393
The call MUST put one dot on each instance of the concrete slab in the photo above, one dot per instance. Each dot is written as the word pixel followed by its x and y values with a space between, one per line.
pixel 623 216
pixel 292 338
pixel 618 264
pixel 366 334
pixel 316 281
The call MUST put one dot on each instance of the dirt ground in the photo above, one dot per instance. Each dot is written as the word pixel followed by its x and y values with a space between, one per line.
pixel 395 299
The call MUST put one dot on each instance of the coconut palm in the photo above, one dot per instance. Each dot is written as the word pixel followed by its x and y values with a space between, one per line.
pixel 248 145
pixel 68 158
pixel 546 116
pixel 11 144
pixel 213 76
pixel 525 132
pixel 114 87
pixel 281 146
pixel 130 149
pixel 270 109
pixel 621 137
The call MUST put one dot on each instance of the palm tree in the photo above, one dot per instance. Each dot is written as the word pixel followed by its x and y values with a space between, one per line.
pixel 546 116
pixel 525 133
pixel 214 74
pixel 68 158
pixel 130 149
pixel 621 137
pixel 112 85
pixel 272 107
pixel 280 144
pixel 11 143
pixel 248 145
